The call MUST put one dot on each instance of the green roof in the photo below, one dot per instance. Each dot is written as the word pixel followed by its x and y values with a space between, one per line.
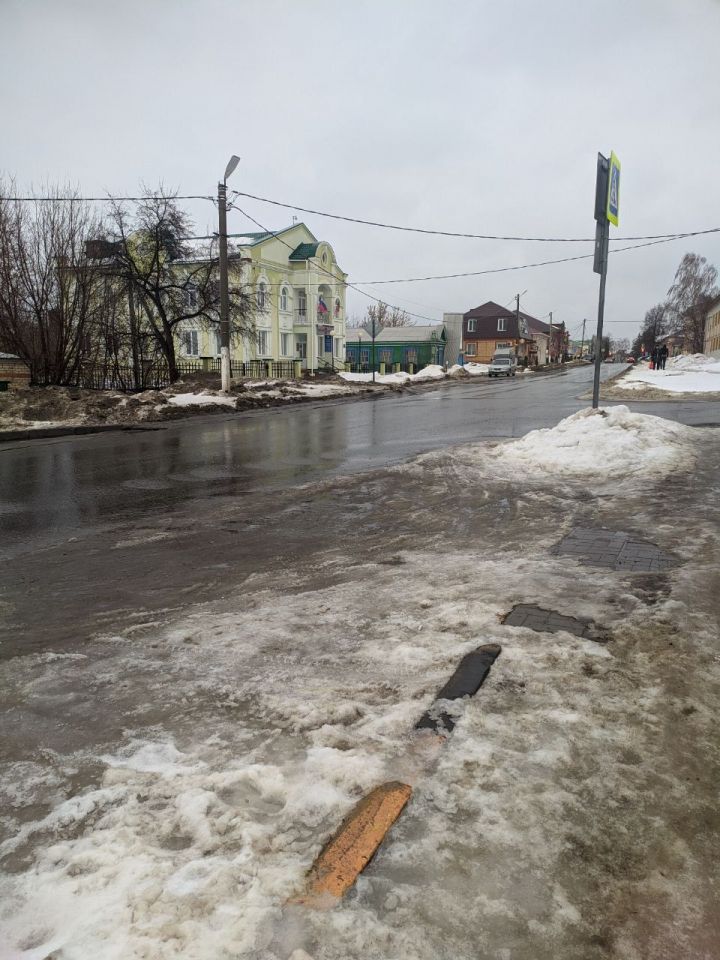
pixel 304 251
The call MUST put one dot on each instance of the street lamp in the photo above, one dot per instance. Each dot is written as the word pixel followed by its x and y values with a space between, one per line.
pixel 224 306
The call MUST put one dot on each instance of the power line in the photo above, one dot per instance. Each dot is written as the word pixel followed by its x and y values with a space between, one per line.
pixel 451 233
pixel 106 199
pixel 539 263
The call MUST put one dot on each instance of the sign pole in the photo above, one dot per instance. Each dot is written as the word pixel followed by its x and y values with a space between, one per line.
pixel 602 239
pixel 607 211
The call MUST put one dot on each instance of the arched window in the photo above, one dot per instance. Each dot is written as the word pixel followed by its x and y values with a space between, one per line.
pixel 283 298
pixel 261 295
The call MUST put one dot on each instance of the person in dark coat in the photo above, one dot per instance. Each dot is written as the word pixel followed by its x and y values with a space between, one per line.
pixel 662 356
pixel 654 358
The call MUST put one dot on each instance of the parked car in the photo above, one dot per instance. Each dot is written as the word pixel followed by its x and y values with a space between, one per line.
pixel 502 367
pixel 629 359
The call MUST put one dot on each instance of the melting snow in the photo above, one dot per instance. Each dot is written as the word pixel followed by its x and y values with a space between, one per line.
pixel 695 373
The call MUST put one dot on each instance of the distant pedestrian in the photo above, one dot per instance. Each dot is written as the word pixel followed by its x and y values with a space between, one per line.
pixel 654 359
pixel 662 356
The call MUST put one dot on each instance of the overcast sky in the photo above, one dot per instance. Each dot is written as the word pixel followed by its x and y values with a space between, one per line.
pixel 481 117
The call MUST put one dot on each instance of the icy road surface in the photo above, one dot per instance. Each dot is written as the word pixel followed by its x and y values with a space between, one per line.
pixel 166 783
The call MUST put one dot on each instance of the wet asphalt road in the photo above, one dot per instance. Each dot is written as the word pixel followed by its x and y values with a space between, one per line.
pixel 56 489
pixel 120 527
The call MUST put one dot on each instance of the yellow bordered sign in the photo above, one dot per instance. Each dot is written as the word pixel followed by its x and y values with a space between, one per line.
pixel 613 197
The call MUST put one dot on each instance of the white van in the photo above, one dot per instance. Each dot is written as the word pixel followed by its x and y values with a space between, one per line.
pixel 503 364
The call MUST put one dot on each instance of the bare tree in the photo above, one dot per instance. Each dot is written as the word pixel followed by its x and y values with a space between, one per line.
pixel 694 287
pixel 50 309
pixel 172 282
pixel 655 326
pixel 380 315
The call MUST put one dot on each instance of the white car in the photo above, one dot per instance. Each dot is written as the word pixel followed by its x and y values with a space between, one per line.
pixel 502 367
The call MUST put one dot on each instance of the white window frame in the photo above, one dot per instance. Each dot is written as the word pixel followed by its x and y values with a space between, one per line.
pixel 286 344
pixel 472 326
pixel 263 343
pixel 284 298
pixel 502 325
pixel 301 345
pixel 470 349
pixel 190 339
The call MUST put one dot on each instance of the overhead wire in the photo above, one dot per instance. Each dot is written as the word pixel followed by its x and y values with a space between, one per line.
pixel 452 233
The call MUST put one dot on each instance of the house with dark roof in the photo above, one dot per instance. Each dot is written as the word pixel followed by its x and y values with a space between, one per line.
pixel 490 327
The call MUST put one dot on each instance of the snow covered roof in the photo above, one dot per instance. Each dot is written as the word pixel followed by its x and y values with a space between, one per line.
pixel 411 334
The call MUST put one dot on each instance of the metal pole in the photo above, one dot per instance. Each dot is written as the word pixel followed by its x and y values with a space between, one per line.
pixel 373 349
pixel 604 231
pixel 224 306
pixel 582 342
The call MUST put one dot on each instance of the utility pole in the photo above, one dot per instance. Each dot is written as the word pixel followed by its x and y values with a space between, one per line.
pixel 373 348
pixel 607 205
pixel 582 342
pixel 225 368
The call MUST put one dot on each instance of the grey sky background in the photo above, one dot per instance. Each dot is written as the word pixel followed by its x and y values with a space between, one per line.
pixel 470 116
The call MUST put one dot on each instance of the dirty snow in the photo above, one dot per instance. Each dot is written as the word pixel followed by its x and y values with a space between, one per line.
pixel 472 369
pixel 202 399
pixel 251 725
pixel 605 443
pixel 431 372
pixel 694 373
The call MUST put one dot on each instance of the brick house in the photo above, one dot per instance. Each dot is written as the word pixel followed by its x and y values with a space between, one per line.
pixel 14 372
pixel 491 327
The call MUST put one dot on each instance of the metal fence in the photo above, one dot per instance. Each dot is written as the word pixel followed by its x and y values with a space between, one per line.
pixel 155 376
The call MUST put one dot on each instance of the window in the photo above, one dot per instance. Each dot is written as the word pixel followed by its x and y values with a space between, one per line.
pixel 284 299
pixel 218 343
pixel 190 294
pixel 338 347
pixel 190 343
pixel 470 349
pixel 502 324
pixel 261 295
pixel 386 355
pixel 286 344
pixel 365 356
pixel 411 354
pixel 472 326
pixel 301 345
pixel 301 304
pixel 263 343
pixel 502 346
pixel 321 344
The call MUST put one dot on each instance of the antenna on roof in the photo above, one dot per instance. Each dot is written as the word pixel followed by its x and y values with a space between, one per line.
pixel 294 219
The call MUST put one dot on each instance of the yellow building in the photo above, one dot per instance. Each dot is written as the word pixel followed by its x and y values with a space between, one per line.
pixel 712 329
pixel 300 296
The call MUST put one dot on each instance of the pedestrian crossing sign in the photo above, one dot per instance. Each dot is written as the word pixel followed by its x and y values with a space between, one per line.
pixel 613 197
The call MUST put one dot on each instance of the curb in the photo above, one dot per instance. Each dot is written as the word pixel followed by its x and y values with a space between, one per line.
pixel 6 436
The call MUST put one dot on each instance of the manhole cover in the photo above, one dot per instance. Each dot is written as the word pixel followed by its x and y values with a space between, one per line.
pixel 618 551
pixel 550 621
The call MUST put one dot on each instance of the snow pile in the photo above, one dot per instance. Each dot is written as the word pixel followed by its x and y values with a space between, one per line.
pixel 432 372
pixel 472 369
pixel 694 373
pixel 202 399
pixel 607 443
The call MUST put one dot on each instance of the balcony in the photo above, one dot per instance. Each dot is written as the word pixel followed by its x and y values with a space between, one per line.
pixel 301 315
